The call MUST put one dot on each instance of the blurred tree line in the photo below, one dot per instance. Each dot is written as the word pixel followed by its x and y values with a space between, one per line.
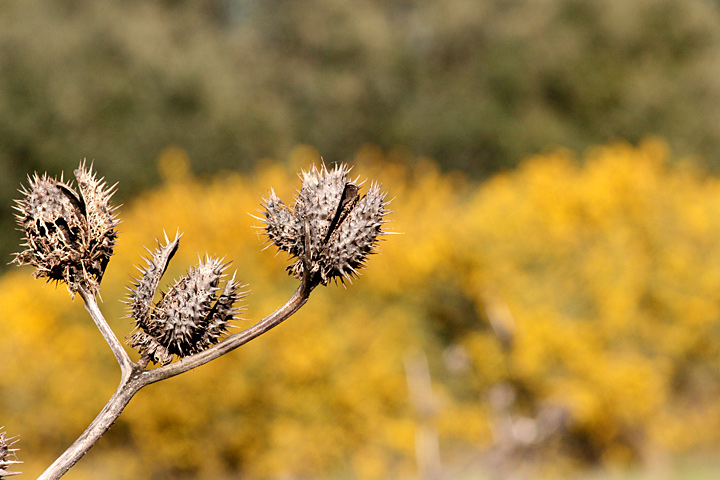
pixel 476 85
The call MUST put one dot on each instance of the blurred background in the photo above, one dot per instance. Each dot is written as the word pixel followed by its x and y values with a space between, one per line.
pixel 551 309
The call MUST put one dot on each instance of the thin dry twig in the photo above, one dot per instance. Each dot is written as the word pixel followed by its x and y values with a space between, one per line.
pixel 134 376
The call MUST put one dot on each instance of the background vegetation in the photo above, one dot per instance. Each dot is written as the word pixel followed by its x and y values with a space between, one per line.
pixel 558 271
pixel 476 85
pixel 568 312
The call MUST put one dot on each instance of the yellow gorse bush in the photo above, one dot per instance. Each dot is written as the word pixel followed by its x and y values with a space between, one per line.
pixel 612 273
pixel 591 286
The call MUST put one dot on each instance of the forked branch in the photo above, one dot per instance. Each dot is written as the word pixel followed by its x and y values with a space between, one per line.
pixel 70 236
pixel 134 377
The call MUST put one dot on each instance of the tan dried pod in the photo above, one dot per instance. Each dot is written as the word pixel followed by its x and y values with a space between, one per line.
pixel 191 316
pixel 331 228
pixel 69 233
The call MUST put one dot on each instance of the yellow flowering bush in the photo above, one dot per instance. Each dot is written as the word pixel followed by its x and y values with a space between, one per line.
pixel 589 286
pixel 610 267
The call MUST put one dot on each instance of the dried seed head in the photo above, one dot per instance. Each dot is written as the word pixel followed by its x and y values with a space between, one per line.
pixel 191 316
pixel 8 455
pixel 69 234
pixel 331 229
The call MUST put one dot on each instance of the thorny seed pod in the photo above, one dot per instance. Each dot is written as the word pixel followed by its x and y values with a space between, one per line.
pixel 331 229
pixel 8 455
pixel 187 319
pixel 69 234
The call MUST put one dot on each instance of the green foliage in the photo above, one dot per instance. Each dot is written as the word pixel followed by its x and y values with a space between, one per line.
pixel 475 85
pixel 591 286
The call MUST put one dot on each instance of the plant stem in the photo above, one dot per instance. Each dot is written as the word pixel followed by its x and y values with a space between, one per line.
pixel 112 341
pixel 134 376
pixel 129 385
pixel 232 342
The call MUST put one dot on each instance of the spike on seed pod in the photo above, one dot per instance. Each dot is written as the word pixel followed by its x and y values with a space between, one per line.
pixel 142 295
pixel 331 228
pixel 190 316
pixel 69 233
pixel 8 455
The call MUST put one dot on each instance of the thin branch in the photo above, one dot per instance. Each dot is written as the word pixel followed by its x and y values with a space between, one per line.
pixel 120 354
pixel 232 342
pixel 134 377
pixel 129 386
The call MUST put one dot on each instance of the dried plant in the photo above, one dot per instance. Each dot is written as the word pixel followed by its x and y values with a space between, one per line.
pixel 190 316
pixel 330 229
pixel 69 234
pixel 69 238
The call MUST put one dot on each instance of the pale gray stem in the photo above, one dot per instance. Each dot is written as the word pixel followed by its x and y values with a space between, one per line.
pixel 129 385
pixel 134 376
pixel 115 345
pixel 232 342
